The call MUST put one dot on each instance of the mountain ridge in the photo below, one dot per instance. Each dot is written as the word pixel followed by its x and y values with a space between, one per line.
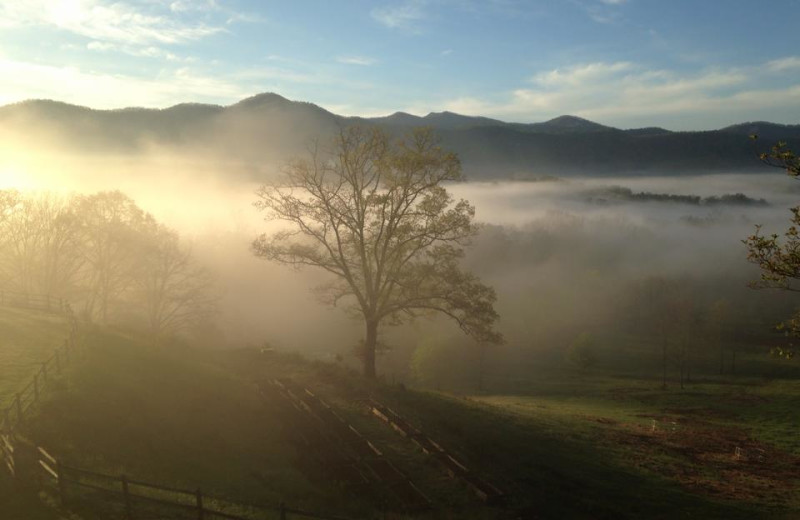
pixel 270 127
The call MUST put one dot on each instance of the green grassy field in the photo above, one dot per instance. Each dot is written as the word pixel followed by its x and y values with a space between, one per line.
pixel 603 447
pixel 27 339
pixel 559 443
pixel 568 445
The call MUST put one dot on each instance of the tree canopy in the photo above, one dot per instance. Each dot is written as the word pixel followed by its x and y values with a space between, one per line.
pixel 778 256
pixel 375 214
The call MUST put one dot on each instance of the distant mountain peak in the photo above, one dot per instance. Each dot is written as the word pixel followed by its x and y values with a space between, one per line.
pixel 572 121
pixel 567 124
pixel 265 98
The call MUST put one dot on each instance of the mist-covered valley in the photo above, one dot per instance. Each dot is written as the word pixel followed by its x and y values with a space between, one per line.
pixel 593 318
pixel 565 254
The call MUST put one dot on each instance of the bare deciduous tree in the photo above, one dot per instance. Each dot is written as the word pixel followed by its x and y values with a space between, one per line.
pixel 111 228
pixel 38 243
pixel 375 214
pixel 176 293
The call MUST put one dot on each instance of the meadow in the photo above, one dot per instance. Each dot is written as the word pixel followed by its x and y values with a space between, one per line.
pixel 562 443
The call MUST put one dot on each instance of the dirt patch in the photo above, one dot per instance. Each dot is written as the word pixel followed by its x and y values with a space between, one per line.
pixel 701 413
pixel 711 460
pixel 601 420
pixel 748 399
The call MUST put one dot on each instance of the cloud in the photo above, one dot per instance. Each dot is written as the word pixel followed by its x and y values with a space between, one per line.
pixel 115 22
pixel 580 74
pixel 784 64
pixel 100 46
pixel 402 16
pixel 629 94
pixel 22 80
pixel 181 6
pixel 138 51
pixel 604 11
pixel 356 60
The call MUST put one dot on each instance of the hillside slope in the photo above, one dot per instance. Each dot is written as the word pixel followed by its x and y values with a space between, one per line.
pixel 269 128
pixel 27 339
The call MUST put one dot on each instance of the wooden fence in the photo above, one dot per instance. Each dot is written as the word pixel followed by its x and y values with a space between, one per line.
pixel 24 400
pixel 449 463
pixel 41 302
pixel 13 414
pixel 136 499
pixel 343 452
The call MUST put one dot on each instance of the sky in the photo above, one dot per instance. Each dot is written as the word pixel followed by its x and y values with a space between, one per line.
pixel 678 64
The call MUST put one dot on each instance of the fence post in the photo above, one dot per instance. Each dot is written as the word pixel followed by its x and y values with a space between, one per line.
pixel 283 511
pixel 199 497
pixel 62 484
pixel 128 511
pixel 19 409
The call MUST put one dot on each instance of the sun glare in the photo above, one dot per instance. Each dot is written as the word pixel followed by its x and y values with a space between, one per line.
pixel 66 11
pixel 14 177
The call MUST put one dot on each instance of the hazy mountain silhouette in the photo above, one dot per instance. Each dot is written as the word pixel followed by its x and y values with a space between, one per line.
pixel 270 128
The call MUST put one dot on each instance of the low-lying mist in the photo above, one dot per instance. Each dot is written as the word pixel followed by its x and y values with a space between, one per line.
pixel 565 255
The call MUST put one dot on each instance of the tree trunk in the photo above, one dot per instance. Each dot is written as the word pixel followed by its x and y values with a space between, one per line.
pixel 370 344
pixel 481 362
pixel 689 363
pixel 664 363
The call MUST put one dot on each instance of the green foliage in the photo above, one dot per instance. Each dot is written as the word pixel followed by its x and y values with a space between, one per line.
pixel 781 353
pixel 626 194
pixel 582 351
pixel 777 256
pixel 781 156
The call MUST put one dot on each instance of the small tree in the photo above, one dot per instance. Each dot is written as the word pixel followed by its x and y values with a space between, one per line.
pixel 175 292
pixel 374 213
pixel 719 317
pixel 581 351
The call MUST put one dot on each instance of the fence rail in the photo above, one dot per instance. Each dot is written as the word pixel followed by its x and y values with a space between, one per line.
pixel 42 302
pixel 23 401
pixel 129 493
pixel 133 494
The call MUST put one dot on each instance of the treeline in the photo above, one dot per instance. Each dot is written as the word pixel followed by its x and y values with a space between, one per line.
pixel 622 193
pixel 113 261
pixel 606 294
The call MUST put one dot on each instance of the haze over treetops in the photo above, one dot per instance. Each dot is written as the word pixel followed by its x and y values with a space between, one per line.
pixel 267 129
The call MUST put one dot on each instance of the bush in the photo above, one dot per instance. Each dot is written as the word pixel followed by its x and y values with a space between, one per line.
pixel 581 352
